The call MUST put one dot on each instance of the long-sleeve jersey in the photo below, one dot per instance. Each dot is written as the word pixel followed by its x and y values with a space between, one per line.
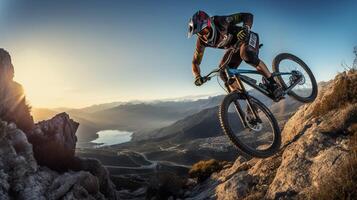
pixel 223 34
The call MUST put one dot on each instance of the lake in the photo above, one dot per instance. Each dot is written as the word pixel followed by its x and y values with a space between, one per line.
pixel 111 137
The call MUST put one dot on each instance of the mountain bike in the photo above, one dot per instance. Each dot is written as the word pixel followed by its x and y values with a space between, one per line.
pixel 247 122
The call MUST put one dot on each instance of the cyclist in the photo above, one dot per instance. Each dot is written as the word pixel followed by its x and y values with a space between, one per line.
pixel 223 32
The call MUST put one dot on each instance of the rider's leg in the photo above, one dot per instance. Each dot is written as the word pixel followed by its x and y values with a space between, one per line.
pixel 262 68
pixel 232 62
pixel 250 55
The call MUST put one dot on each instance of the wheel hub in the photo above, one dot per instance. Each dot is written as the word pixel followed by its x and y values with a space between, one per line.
pixel 296 75
pixel 253 124
pixel 257 127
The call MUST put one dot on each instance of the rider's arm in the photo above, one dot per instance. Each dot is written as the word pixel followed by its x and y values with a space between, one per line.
pixel 197 58
pixel 245 18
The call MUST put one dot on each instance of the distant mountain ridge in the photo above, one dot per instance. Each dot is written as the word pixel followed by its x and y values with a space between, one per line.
pixel 129 116
pixel 135 116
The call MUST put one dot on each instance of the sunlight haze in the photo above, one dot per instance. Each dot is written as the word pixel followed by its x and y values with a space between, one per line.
pixel 78 53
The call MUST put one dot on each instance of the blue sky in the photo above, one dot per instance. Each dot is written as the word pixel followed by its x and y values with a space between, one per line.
pixel 86 52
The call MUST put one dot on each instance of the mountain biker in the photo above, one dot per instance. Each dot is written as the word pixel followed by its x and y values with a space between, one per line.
pixel 222 32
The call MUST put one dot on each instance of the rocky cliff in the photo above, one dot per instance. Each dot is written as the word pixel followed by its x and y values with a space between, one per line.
pixel 318 159
pixel 37 161
pixel 41 164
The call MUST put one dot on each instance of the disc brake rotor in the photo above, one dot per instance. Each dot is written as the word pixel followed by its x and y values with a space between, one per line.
pixel 252 124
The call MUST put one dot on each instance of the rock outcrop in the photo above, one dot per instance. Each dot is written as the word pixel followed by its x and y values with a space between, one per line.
pixel 54 141
pixel 318 141
pixel 37 161
pixel 51 171
pixel 13 105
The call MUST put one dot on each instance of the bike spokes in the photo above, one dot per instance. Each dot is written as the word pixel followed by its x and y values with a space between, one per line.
pixel 304 86
pixel 255 131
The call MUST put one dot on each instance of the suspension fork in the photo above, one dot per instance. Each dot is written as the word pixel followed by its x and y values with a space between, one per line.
pixel 248 100
pixel 240 113
pixel 236 103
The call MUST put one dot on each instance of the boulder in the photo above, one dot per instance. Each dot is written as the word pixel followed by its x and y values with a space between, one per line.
pixel 54 141
pixel 21 177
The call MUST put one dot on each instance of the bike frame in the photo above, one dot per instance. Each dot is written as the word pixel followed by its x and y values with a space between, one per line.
pixel 238 74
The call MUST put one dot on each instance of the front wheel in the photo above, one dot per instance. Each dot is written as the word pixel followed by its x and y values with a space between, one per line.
pixel 306 89
pixel 257 137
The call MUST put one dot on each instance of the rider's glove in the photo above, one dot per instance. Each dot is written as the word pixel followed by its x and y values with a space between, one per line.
pixel 199 80
pixel 243 33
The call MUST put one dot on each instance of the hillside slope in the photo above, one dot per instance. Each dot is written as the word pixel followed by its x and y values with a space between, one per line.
pixel 318 159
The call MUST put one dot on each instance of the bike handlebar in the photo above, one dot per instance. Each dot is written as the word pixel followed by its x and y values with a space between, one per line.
pixel 208 76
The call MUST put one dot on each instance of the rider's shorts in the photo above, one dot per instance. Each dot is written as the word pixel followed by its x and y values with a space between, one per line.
pixel 248 52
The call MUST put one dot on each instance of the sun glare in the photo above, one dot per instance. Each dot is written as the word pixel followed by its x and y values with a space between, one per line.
pixel 41 76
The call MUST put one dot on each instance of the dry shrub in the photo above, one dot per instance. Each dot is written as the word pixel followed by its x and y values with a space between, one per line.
pixel 203 169
pixel 342 92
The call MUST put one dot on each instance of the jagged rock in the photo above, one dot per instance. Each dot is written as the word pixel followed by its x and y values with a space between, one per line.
pixel 22 178
pixel 63 185
pixel 314 148
pixel 28 160
pixel 223 185
pixel 97 169
pixel 316 143
pixel 306 161
pixel 54 141
pixel 54 144
pixel 13 105
pixel 236 187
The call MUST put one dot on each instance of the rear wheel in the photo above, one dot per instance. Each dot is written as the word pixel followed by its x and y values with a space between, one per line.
pixel 304 91
pixel 258 137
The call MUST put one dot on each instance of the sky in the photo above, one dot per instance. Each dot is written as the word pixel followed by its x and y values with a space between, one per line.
pixel 78 53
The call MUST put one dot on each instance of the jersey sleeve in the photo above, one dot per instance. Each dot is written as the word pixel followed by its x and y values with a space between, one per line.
pixel 245 18
pixel 198 54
